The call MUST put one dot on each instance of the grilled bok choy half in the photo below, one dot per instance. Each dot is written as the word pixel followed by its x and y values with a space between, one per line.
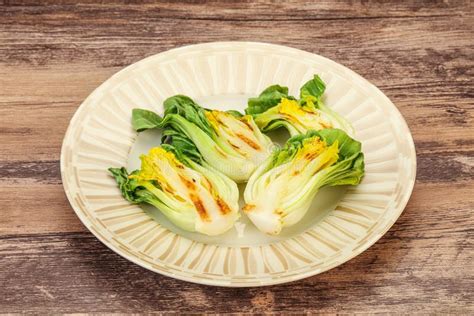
pixel 280 191
pixel 274 108
pixel 228 141
pixel 194 197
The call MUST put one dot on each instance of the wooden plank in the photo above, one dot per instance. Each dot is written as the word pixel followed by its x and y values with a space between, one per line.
pixel 29 207
pixel 418 266
pixel 420 50
pixel 27 172
pixel 252 10
pixel 49 88
pixel 24 129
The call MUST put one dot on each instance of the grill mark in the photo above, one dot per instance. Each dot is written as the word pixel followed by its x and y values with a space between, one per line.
pixel 189 184
pixel 279 212
pixel 200 207
pixel 223 207
pixel 169 189
pixel 246 122
pixel 248 141
pixel 219 121
pixel 173 192
pixel 324 125
pixel 198 204
pixel 311 155
pixel 223 154
pixel 207 184
pixel 248 208
pixel 238 149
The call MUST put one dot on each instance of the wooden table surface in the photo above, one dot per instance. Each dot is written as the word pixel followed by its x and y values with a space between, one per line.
pixel 53 54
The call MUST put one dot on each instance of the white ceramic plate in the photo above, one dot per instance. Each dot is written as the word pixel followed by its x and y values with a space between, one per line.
pixel 342 222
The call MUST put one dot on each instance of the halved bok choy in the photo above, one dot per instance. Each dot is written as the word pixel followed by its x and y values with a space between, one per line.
pixel 280 191
pixel 228 141
pixel 274 108
pixel 196 198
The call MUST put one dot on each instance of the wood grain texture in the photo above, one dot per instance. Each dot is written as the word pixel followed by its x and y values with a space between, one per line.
pixel 54 53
